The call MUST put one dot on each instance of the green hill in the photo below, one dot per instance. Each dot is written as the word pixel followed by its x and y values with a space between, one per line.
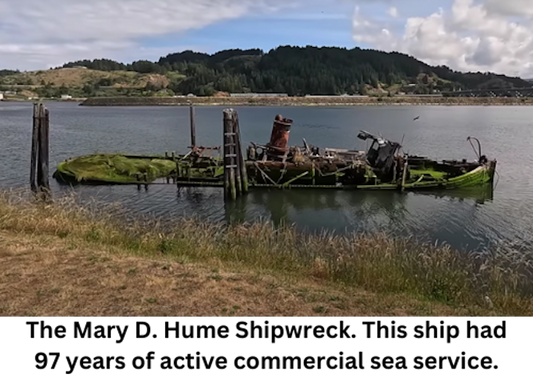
pixel 296 71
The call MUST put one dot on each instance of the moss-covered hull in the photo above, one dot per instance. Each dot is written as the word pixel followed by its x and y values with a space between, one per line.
pixel 135 169
pixel 207 171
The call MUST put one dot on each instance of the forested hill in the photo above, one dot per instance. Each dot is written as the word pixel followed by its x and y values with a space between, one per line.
pixel 302 71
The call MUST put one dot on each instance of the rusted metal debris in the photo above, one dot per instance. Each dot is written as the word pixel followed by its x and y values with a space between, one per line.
pixel 278 159
pixel 200 151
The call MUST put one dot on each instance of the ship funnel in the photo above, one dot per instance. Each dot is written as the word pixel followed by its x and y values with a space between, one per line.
pixel 280 133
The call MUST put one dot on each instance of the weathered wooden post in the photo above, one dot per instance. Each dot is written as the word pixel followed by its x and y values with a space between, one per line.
pixel 34 148
pixel 235 175
pixel 44 158
pixel 235 155
pixel 230 167
pixel 240 158
pixel 193 125
pixel 39 179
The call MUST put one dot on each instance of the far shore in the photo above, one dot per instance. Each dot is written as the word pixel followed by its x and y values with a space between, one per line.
pixel 306 101
pixel 291 101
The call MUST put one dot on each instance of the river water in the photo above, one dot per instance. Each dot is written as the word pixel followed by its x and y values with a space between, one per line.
pixel 474 221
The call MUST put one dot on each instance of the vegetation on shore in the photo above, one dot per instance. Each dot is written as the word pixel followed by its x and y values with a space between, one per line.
pixel 302 101
pixel 63 259
pixel 296 71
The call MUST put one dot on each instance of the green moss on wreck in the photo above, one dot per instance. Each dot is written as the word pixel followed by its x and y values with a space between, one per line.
pixel 114 168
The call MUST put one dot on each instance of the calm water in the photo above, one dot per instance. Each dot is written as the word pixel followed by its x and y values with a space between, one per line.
pixel 474 221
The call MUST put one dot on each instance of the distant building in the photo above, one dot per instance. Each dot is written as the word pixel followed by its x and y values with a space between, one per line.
pixel 337 96
pixel 423 95
pixel 258 95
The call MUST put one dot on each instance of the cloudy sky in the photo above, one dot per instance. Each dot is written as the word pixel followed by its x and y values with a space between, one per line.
pixel 484 35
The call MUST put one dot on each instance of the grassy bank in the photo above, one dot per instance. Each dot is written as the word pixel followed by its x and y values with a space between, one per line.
pixel 302 101
pixel 62 259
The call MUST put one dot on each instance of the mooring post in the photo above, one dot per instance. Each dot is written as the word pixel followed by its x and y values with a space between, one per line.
pixel 39 181
pixel 226 119
pixel 230 167
pixel 240 158
pixel 44 158
pixel 193 124
pixel 235 155
pixel 34 148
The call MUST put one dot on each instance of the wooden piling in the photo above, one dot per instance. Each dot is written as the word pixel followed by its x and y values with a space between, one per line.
pixel 240 157
pixel 193 124
pixel 39 173
pixel 235 156
pixel 235 174
pixel 44 158
pixel 34 148
pixel 226 122
pixel 230 158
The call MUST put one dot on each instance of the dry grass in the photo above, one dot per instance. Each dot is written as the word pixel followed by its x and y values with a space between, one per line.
pixel 78 77
pixel 45 276
pixel 61 259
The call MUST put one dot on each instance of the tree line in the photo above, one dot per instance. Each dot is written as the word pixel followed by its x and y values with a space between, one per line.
pixel 303 70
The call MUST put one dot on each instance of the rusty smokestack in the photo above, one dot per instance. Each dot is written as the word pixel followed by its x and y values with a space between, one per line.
pixel 280 133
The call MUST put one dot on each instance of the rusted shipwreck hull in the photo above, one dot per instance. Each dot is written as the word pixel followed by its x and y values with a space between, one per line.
pixel 382 167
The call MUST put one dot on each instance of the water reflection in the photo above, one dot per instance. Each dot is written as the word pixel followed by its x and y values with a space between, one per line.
pixel 456 217
pixel 349 210
pixel 480 194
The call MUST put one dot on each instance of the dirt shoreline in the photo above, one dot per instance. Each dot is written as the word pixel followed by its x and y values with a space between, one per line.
pixel 303 101
pixel 285 102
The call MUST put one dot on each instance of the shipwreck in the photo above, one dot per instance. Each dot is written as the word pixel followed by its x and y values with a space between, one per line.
pixel 277 165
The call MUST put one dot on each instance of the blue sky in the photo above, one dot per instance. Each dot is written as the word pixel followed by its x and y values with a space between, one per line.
pixel 316 24
pixel 467 35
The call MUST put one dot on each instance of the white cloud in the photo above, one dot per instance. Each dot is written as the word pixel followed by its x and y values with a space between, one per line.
pixel 468 37
pixel 35 33
pixel 487 35
pixel 511 7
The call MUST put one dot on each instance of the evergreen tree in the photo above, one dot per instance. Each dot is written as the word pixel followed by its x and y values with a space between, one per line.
pixel 302 70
